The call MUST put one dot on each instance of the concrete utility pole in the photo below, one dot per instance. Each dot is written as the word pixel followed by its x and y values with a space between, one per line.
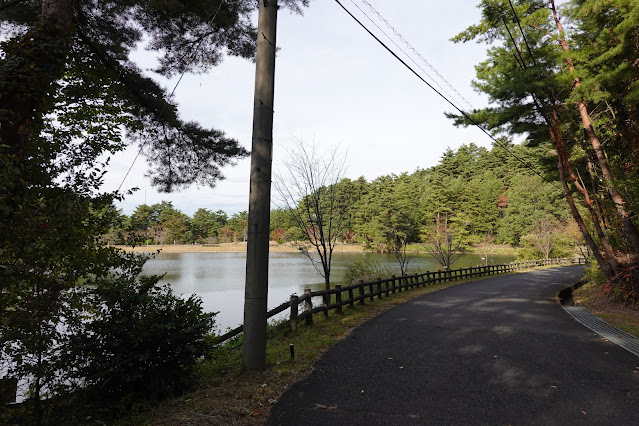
pixel 256 288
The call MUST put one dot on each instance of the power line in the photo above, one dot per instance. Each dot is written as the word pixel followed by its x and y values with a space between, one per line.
pixel 416 53
pixel 192 57
pixel 522 32
pixel 479 126
pixel 413 50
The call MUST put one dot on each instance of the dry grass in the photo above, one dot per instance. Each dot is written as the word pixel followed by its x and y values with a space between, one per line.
pixel 613 311
pixel 230 248
pixel 290 248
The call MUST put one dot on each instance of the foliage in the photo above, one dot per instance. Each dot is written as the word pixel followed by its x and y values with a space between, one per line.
pixel 566 79
pixel 69 91
pixel 140 340
pixel 487 194
pixel 548 238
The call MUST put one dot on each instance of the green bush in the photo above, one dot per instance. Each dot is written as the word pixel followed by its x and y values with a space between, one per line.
pixel 141 340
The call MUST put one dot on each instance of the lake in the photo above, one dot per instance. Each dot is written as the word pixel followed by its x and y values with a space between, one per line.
pixel 218 278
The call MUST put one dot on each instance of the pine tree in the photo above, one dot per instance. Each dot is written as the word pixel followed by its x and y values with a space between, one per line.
pixel 556 87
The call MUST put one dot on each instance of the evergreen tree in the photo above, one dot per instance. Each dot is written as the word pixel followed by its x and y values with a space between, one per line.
pixel 557 88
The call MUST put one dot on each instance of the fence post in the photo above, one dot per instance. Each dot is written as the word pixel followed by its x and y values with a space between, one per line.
pixel 338 298
pixel 362 300
pixel 295 301
pixel 308 305
pixel 370 289
pixel 379 288
pixel 393 286
pixel 350 296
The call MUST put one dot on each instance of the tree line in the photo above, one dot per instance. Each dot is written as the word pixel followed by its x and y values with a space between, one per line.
pixel 479 195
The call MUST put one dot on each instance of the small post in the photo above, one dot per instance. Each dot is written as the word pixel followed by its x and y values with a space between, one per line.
pixel 361 293
pixel 338 298
pixel 292 350
pixel 308 304
pixel 372 293
pixel 379 288
pixel 295 301
pixel 393 285
pixel 351 297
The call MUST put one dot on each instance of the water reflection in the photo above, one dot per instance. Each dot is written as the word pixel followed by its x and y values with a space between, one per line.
pixel 218 278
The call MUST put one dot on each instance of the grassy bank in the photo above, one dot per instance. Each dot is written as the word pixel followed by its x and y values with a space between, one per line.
pixel 495 249
pixel 230 248
pixel 613 311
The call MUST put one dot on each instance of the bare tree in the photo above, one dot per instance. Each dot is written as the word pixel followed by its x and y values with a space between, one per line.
pixel 443 243
pixel 308 191
pixel 401 230
pixel 542 236
pixel 397 242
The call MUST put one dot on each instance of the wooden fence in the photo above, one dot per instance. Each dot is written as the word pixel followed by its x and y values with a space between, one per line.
pixel 361 291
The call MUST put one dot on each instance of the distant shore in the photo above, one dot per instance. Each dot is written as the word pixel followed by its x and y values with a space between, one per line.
pixel 229 248
pixel 289 248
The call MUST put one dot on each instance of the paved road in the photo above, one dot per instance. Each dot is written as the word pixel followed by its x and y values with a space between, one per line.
pixel 497 351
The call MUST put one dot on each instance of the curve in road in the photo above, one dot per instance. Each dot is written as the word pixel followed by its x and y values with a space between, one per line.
pixel 495 351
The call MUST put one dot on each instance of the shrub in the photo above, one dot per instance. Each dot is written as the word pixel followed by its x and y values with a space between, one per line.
pixel 141 340
pixel 365 269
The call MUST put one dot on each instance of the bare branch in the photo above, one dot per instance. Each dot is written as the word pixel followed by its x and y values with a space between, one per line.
pixel 308 191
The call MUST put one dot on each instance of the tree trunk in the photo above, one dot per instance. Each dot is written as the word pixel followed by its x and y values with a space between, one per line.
pixel 609 267
pixel 630 230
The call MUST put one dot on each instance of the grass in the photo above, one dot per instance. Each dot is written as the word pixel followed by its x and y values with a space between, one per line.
pixel 229 395
pixel 613 311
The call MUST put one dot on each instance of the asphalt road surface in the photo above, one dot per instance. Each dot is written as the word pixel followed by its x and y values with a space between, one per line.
pixel 499 351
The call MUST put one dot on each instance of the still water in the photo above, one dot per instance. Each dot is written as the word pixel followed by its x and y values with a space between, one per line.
pixel 218 278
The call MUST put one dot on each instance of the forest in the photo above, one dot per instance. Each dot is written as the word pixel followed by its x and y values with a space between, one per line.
pixel 482 196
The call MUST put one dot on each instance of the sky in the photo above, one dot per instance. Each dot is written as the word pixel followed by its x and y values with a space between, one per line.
pixel 334 86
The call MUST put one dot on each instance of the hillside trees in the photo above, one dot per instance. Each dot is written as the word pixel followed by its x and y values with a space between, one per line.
pixel 574 91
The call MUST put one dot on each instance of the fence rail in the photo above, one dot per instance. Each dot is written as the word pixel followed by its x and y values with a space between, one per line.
pixel 361 291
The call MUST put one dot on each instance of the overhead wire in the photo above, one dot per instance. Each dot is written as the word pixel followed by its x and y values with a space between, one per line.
pixel 413 50
pixel 522 33
pixel 192 57
pixel 470 119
